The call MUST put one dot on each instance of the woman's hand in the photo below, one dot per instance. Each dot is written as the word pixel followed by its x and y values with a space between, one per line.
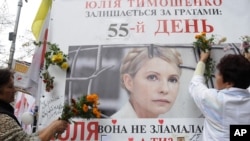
pixel 54 129
pixel 204 56
pixel 61 126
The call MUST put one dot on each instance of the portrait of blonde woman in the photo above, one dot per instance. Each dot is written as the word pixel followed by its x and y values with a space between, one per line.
pixel 151 79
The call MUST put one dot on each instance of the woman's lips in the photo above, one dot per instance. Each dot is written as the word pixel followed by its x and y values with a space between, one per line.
pixel 161 101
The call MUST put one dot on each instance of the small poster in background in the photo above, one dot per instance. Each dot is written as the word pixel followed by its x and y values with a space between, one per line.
pixel 21 79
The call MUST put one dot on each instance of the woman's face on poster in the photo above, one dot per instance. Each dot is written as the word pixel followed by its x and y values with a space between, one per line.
pixel 154 88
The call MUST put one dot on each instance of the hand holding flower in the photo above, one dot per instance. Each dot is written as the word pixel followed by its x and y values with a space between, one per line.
pixel 85 107
pixel 204 56
pixel 59 127
pixel 204 45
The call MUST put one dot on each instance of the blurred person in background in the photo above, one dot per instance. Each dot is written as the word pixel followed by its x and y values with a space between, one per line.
pixel 10 128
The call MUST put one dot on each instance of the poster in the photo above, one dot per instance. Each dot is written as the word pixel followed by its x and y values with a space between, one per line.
pixel 97 34
pixel 96 69
pixel 20 68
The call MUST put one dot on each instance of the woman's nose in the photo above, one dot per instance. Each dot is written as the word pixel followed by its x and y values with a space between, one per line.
pixel 164 88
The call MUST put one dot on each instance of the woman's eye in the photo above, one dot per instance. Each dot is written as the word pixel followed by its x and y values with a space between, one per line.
pixel 173 80
pixel 152 77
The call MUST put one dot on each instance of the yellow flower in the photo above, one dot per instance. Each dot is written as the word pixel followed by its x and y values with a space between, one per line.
pixel 98 115
pixel 197 36
pixel 64 65
pixel 58 58
pixel 92 98
pixel 203 33
pixel 96 112
pixel 85 108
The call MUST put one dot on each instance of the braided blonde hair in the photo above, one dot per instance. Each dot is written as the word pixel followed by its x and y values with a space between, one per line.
pixel 136 57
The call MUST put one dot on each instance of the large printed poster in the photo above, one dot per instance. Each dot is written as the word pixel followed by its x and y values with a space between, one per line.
pixel 152 41
pixel 100 69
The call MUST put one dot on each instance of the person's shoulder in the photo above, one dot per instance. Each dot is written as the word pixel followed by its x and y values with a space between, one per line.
pixel 6 119
pixel 4 116
pixel 10 130
pixel 7 123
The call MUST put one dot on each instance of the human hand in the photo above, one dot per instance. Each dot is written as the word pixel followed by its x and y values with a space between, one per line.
pixel 54 129
pixel 60 127
pixel 204 56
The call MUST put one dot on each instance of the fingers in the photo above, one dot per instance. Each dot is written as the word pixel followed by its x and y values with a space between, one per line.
pixel 61 131
pixel 204 56
pixel 63 123
pixel 63 126
pixel 57 134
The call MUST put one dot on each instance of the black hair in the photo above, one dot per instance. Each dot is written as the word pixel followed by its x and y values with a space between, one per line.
pixel 235 69
pixel 5 75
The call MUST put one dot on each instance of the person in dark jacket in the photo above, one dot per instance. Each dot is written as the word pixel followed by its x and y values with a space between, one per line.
pixel 10 128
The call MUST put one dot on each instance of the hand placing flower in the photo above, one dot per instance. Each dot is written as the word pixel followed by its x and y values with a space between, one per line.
pixel 85 107
pixel 204 43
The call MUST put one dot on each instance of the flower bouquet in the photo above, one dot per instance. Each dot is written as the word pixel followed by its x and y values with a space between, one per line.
pixel 85 107
pixel 53 56
pixel 204 43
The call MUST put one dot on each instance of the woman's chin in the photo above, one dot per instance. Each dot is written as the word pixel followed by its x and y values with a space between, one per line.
pixel 161 110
